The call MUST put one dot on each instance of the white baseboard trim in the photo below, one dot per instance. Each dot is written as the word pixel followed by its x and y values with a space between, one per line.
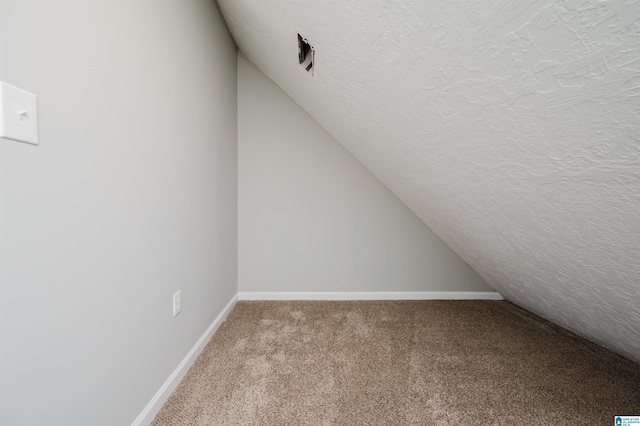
pixel 371 295
pixel 147 415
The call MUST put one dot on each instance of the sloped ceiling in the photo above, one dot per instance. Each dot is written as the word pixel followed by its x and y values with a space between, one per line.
pixel 511 128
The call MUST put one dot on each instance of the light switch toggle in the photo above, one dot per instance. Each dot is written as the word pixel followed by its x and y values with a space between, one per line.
pixel 18 114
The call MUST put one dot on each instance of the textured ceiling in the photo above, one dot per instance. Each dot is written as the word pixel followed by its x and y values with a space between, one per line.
pixel 511 128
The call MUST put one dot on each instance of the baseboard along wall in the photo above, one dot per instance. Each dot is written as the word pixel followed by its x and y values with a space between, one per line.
pixel 371 295
pixel 147 415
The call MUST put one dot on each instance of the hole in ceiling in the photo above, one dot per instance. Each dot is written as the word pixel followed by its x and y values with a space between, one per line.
pixel 306 54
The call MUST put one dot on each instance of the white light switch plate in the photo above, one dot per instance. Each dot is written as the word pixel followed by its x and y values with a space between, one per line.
pixel 18 114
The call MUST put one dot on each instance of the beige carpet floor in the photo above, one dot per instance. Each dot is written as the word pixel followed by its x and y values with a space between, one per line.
pixel 400 363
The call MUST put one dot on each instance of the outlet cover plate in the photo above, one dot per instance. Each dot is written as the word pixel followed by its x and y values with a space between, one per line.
pixel 177 303
pixel 18 114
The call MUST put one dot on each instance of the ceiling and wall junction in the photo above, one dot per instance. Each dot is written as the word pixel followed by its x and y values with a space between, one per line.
pixel 512 129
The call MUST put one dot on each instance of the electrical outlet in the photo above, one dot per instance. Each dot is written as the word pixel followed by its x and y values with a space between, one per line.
pixel 177 303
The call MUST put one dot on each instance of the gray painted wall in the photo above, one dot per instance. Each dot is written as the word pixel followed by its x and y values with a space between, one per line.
pixel 312 218
pixel 131 195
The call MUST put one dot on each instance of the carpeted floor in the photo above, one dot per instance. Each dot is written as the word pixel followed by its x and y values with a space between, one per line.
pixel 400 363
